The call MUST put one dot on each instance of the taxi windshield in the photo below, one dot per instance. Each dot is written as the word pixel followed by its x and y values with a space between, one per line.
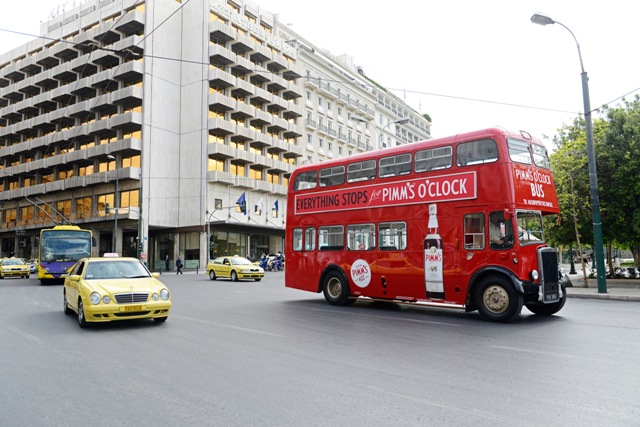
pixel 115 270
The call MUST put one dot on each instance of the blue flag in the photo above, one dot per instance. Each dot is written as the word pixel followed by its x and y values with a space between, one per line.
pixel 275 206
pixel 242 203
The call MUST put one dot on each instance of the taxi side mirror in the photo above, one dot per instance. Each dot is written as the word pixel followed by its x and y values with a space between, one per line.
pixel 155 275
pixel 74 277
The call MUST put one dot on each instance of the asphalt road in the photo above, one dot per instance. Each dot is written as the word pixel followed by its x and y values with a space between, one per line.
pixel 259 354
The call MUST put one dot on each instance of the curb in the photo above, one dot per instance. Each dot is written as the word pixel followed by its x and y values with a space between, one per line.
pixel 605 296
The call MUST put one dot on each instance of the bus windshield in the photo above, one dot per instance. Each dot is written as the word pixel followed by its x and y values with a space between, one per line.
pixel 64 245
pixel 529 227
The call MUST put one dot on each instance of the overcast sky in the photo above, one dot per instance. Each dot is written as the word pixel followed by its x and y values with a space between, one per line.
pixel 440 56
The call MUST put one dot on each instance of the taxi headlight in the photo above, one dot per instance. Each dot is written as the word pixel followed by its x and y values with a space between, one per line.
pixel 94 298
pixel 106 299
pixel 155 297
pixel 164 294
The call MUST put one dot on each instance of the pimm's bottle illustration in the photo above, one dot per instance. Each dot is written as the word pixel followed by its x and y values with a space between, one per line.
pixel 433 261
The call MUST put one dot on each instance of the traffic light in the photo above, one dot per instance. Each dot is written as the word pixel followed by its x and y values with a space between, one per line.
pixel 106 208
pixel 140 246
pixel 211 244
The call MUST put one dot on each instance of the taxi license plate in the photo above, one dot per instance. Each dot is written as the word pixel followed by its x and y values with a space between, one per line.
pixel 133 308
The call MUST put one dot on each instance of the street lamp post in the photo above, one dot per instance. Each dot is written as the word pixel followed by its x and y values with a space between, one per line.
pixel 401 121
pixel 210 214
pixel 116 206
pixel 591 159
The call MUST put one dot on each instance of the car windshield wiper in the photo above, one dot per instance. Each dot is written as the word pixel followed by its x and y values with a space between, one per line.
pixel 137 277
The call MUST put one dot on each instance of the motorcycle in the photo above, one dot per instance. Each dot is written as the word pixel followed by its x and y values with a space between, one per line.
pixel 264 263
pixel 276 264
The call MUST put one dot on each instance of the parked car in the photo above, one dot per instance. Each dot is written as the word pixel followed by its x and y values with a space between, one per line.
pixel 14 267
pixel 108 289
pixel 234 268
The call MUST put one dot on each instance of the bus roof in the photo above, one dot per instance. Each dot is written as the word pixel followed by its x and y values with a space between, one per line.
pixel 429 143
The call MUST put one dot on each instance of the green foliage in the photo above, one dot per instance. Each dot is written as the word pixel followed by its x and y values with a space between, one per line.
pixel 617 146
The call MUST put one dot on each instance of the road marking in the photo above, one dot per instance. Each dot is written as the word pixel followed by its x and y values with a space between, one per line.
pixel 546 353
pixel 432 322
pixel 234 327
pixel 22 333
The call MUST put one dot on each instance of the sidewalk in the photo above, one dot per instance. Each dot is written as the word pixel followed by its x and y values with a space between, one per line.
pixel 617 289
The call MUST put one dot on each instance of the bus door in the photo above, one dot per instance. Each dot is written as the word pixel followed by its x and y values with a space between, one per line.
pixel 501 237
pixel 395 271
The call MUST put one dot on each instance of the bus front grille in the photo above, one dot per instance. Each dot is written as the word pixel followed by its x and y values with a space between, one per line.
pixel 549 275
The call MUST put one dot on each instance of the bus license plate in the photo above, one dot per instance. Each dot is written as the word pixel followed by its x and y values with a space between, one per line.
pixel 551 297
pixel 133 308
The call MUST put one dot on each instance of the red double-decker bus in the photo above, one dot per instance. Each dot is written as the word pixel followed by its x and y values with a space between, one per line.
pixel 454 222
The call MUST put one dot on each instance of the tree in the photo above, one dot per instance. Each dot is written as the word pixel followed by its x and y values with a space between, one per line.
pixel 619 165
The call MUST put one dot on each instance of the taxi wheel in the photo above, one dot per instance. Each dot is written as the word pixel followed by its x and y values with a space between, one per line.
pixel 234 276
pixel 1 276
pixel 160 319
pixel 212 275
pixel 81 319
pixel 67 309
pixel 497 300
pixel 257 280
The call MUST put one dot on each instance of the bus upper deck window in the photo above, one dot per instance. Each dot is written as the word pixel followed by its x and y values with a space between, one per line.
pixel 332 176
pixel 306 180
pixel 433 159
pixel 361 171
pixel 540 156
pixel 395 165
pixel 476 152
pixel 519 151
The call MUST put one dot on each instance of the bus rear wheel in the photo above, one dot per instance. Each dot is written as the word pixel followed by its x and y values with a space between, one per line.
pixel 336 289
pixel 497 300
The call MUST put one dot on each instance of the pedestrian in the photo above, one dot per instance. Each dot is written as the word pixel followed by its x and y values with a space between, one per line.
pixel 166 262
pixel 179 266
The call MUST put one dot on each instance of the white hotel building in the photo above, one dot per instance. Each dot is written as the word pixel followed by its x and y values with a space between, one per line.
pixel 152 118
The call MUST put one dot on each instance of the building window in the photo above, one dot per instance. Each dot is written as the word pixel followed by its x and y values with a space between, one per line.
pixel 83 207
pixel 216 165
pixel 129 198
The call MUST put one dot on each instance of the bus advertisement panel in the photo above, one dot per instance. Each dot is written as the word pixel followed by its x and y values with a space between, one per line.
pixel 59 249
pixel 454 222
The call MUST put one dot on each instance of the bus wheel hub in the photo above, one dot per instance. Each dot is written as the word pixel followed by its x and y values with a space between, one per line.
pixel 496 299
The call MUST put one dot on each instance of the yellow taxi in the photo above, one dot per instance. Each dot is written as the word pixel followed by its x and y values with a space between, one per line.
pixel 112 288
pixel 234 268
pixel 14 267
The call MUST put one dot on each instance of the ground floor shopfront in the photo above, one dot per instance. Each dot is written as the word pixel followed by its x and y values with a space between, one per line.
pixel 162 247
pixel 195 249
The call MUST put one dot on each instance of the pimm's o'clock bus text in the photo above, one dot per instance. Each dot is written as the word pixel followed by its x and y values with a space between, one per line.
pixel 453 222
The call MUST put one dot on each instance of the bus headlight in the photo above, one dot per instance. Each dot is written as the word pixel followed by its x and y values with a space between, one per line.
pixel 534 275
pixel 94 298
pixel 164 294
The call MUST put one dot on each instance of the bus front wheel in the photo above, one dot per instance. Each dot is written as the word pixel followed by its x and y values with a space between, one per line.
pixel 548 309
pixel 336 289
pixel 497 300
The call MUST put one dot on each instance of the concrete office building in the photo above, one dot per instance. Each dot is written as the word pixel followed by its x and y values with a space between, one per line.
pixel 183 110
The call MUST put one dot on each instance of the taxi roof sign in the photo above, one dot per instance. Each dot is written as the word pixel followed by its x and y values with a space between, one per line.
pixel 111 255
